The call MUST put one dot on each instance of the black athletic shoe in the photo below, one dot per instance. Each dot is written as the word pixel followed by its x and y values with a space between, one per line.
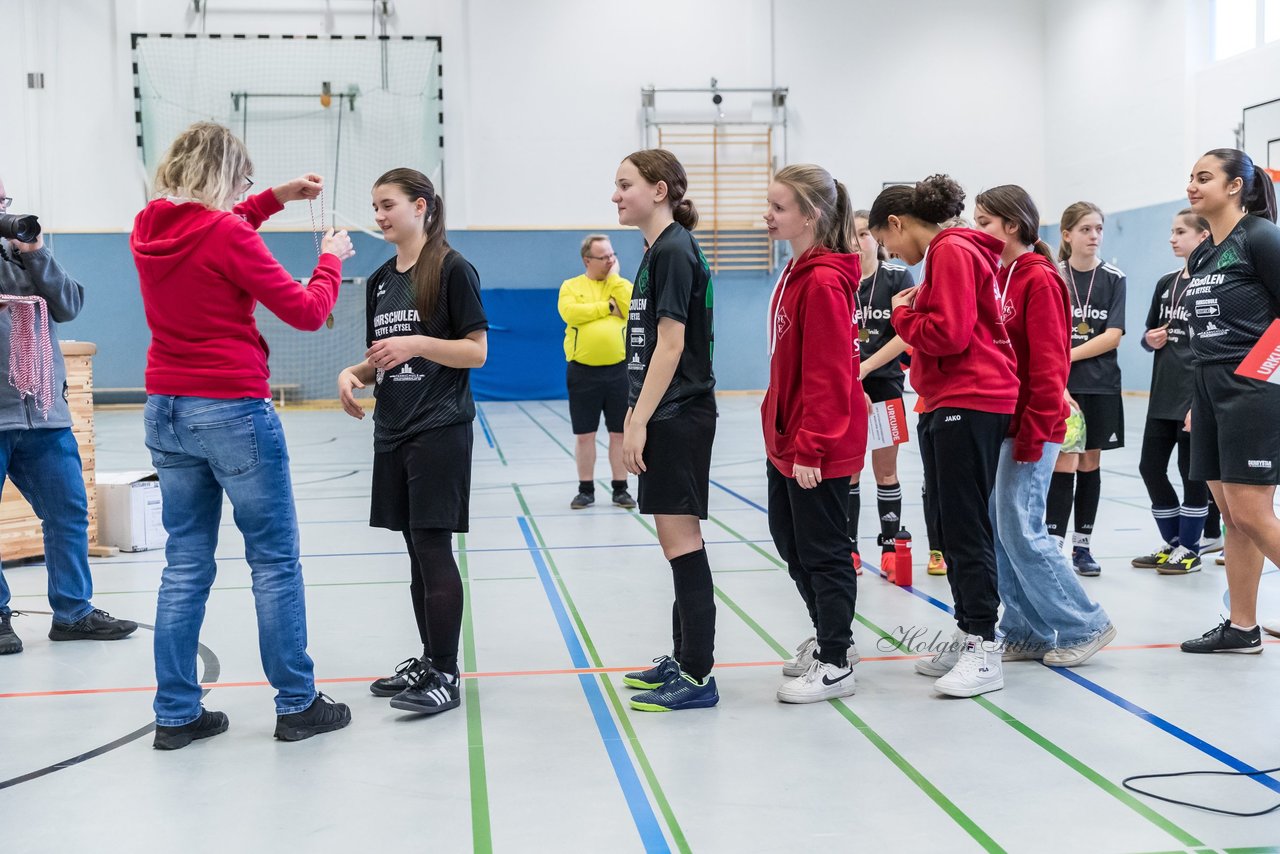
pixel 581 500
pixel 431 692
pixel 96 625
pixel 323 715
pixel 623 499
pixel 207 725
pixel 1155 559
pixel 1181 561
pixel 1226 638
pixel 9 640
pixel 389 686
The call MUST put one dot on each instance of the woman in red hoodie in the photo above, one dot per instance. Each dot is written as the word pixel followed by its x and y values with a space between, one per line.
pixel 1047 614
pixel 963 369
pixel 815 420
pixel 210 424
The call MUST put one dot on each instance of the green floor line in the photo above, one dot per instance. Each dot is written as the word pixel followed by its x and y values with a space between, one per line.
pixel 659 796
pixel 481 832
pixel 1053 749
pixel 756 546
pixel 944 803
pixel 550 435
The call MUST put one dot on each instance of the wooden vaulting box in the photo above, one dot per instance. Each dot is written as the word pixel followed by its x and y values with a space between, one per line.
pixel 20 534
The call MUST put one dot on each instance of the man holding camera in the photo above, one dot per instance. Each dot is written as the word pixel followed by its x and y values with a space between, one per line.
pixel 594 308
pixel 37 449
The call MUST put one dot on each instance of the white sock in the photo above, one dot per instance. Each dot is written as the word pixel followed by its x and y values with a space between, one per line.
pixel 1079 540
pixel 1244 628
pixel 1059 541
pixel 449 678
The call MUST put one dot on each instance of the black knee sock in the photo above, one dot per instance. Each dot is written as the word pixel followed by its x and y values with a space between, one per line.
pixel 442 599
pixel 855 508
pixel 418 593
pixel 695 594
pixel 1213 522
pixel 1058 504
pixel 676 638
pixel 1088 492
pixel 889 503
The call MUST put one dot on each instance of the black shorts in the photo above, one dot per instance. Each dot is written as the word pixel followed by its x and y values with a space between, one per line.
pixel 880 389
pixel 677 459
pixel 424 482
pixel 595 389
pixel 1103 420
pixel 1233 428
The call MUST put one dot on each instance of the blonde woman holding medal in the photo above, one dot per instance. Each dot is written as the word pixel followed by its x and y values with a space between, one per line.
pixel 1097 294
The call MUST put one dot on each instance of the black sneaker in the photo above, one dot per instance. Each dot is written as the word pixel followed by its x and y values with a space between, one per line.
pixel 323 715
pixel 1156 559
pixel 389 686
pixel 581 500
pixel 429 693
pixel 1181 561
pixel 1226 638
pixel 623 499
pixel 96 625
pixel 9 640
pixel 207 725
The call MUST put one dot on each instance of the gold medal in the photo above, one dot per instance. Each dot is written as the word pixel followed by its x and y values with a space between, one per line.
pixel 1083 328
pixel 864 336
pixel 328 322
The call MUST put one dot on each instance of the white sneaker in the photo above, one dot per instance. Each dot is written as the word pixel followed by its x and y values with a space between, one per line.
pixel 820 682
pixel 1070 656
pixel 1220 560
pixel 1210 546
pixel 800 665
pixel 1271 627
pixel 977 672
pixel 944 660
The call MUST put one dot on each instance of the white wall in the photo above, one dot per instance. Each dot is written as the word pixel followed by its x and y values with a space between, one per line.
pixel 1133 97
pixel 542 96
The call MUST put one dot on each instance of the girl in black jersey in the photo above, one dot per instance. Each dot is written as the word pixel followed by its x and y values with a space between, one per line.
pixel 1231 300
pixel 425 331
pixel 882 379
pixel 1097 293
pixel 671 419
pixel 1168 337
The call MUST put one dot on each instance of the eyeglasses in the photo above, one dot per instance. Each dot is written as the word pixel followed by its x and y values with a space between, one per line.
pixel 248 184
pixel 610 257
pixel 5 201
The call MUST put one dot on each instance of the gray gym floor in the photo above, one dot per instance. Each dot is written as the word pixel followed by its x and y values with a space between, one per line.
pixel 545 755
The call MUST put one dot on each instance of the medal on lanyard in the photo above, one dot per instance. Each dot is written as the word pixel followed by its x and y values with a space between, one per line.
pixel 1083 326
pixel 864 335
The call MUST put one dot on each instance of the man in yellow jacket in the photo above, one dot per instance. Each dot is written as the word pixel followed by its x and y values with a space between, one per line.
pixel 594 308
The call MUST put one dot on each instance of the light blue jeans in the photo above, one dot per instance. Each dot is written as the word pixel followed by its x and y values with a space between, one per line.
pixel 202 447
pixel 1044 605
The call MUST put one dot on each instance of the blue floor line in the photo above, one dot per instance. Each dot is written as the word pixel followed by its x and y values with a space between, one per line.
pixel 1134 709
pixel 484 425
pixel 637 799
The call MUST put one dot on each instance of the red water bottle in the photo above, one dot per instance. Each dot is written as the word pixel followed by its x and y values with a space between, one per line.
pixel 902 558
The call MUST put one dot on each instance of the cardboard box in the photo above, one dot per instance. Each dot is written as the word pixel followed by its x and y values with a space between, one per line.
pixel 129 508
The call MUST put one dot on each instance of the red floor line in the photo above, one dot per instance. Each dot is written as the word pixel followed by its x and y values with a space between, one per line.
pixel 487 674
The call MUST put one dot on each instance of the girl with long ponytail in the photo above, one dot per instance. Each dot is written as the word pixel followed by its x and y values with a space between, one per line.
pixel 425 330
pixel 1232 300
pixel 815 420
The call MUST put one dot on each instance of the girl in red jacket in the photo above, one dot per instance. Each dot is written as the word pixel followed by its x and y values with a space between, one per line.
pixel 210 425
pixel 1046 612
pixel 963 369
pixel 815 420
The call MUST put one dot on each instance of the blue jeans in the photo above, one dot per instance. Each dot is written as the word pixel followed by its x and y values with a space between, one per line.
pixel 202 447
pixel 45 466
pixel 1044 605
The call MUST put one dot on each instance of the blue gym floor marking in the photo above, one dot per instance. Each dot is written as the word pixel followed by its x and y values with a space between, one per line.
pixel 637 799
pixel 484 425
pixel 1134 709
